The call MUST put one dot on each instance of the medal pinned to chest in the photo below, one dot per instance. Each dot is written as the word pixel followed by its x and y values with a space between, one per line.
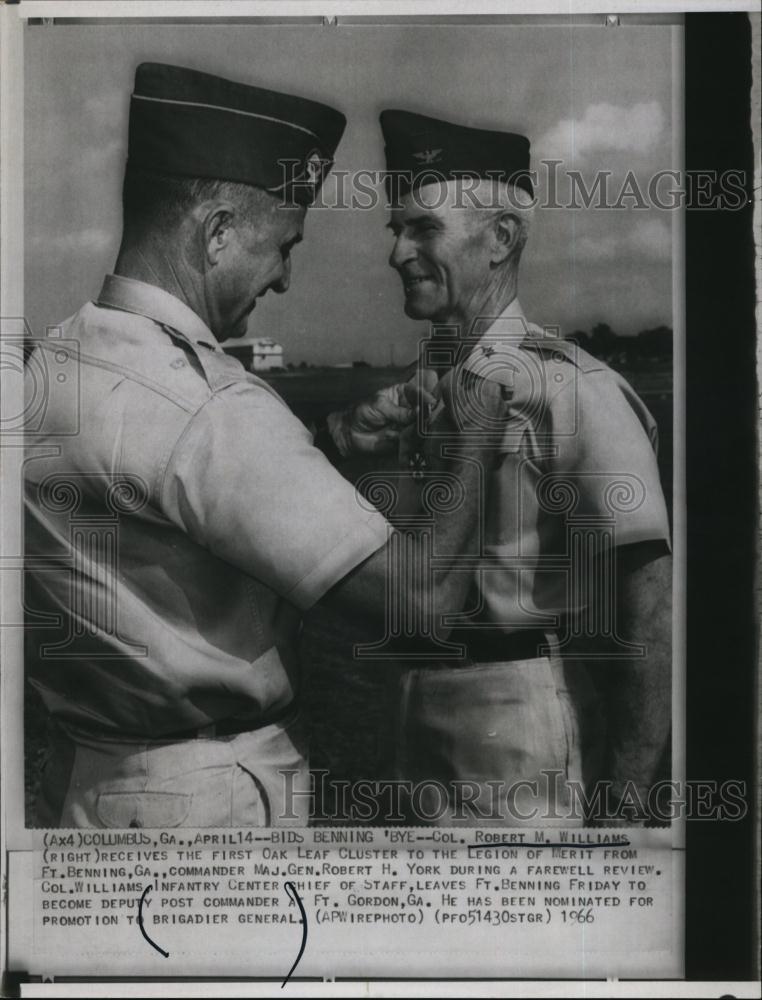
pixel 421 445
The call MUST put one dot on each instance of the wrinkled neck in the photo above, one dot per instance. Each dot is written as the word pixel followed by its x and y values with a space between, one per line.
pixel 149 260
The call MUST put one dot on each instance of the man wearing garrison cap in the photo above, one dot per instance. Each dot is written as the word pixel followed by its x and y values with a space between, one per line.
pixel 573 579
pixel 174 540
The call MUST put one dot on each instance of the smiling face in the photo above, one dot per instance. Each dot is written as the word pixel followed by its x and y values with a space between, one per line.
pixel 253 258
pixel 442 253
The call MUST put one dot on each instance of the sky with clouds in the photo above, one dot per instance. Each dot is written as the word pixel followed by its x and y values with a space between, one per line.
pixel 599 99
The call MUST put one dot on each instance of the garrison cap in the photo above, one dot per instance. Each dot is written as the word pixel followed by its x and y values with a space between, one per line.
pixel 421 150
pixel 194 124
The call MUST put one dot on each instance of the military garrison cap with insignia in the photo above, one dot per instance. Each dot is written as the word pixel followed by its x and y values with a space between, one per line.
pixel 421 150
pixel 194 124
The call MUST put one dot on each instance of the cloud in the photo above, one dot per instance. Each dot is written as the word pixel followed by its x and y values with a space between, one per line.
pixel 95 158
pixel 605 128
pixel 633 238
pixel 109 108
pixel 91 240
pixel 648 238
pixel 596 248
pixel 48 167
pixel 652 237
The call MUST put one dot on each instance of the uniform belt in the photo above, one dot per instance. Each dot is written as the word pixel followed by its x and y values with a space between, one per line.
pixel 488 645
pixel 231 726
pixel 222 727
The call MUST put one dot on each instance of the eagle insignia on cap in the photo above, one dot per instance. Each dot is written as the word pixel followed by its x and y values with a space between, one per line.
pixel 429 156
pixel 313 167
pixel 409 147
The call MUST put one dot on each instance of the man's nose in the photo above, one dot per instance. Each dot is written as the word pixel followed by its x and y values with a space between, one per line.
pixel 403 251
pixel 281 285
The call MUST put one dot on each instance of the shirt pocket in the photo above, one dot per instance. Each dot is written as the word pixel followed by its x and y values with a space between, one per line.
pixel 121 810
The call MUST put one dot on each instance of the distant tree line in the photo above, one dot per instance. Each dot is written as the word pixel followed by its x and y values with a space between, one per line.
pixel 305 366
pixel 646 348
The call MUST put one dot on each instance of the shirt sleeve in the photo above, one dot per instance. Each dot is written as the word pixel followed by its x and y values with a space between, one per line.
pixel 604 470
pixel 246 482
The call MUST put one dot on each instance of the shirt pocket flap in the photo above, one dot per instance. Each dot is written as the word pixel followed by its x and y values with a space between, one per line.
pixel 142 809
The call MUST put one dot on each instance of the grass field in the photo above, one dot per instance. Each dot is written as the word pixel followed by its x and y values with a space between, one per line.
pixel 348 705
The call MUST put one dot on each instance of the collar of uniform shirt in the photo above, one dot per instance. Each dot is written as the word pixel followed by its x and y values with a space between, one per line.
pixel 511 325
pixel 494 338
pixel 133 296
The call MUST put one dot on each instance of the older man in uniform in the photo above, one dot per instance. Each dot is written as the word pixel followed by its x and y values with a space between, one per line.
pixel 575 558
pixel 179 518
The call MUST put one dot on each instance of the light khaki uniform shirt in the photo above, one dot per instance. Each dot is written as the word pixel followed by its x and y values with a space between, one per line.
pixel 576 474
pixel 179 519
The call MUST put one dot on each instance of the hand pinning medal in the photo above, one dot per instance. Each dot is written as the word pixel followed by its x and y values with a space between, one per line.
pixel 418 463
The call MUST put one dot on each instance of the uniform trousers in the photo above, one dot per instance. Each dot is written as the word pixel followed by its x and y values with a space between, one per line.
pixel 508 743
pixel 254 778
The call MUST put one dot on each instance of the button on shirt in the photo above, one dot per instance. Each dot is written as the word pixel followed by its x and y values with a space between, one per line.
pixel 178 519
pixel 576 473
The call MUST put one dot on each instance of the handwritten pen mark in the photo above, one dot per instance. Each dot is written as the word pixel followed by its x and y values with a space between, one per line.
pixel 293 894
pixel 142 928
pixel 546 843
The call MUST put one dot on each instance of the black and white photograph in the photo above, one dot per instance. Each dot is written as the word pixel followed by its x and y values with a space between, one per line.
pixel 353 429
pixel 178 617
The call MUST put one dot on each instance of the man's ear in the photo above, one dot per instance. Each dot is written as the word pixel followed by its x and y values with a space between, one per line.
pixel 217 230
pixel 507 230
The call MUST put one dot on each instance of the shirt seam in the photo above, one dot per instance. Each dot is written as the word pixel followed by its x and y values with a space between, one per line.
pixel 214 394
pixel 135 376
pixel 170 453
pixel 134 310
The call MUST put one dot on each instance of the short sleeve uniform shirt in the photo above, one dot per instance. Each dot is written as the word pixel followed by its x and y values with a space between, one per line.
pixel 576 474
pixel 178 520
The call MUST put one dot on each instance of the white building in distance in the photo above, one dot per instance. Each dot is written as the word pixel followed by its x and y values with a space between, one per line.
pixel 266 354
pixel 258 354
